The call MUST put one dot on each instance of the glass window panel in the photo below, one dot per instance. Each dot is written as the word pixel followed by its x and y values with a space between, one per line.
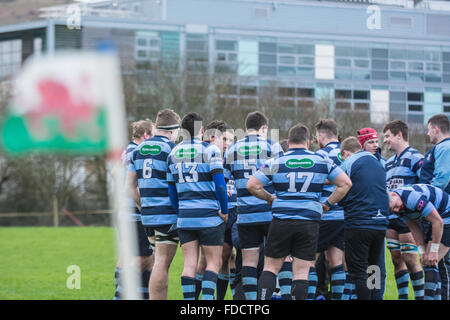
pixel 142 54
pixel 287 59
pixel 305 49
pixel 141 42
pixel 343 105
pixel 225 68
pixel 446 67
pixel 343 51
pixel 286 48
pixel 232 57
pixel 286 92
pixel 345 74
pixel 432 55
pixel 397 75
pixel 361 52
pixel 415 76
pixel 267 70
pixel 415 66
pixel 379 53
pixel 268 58
pixel 433 67
pixel 197 56
pixel 309 61
pixel 305 71
pixel 397 54
pixel 415 55
pixel 305 92
pixel 432 77
pixel 343 94
pixel 361 94
pixel 343 62
pixel 248 91
pixel 361 63
pixel 397 96
pixel 416 118
pixel 398 65
pixel 398 107
pixel 305 104
pixel 361 75
pixel 286 71
pixel 221 56
pixel 446 77
pixel 361 106
pixel 248 102
pixel 446 97
pixel 415 107
pixel 446 56
pixel 415 96
pixel 226 45
pixel 154 43
pixel 197 45
pixel 379 64
pixel 267 47
pixel 379 75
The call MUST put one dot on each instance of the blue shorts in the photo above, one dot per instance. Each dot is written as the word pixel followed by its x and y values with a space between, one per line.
pixel 252 235
pixel 213 236
pixel 445 240
pixel 331 234
pixel 398 225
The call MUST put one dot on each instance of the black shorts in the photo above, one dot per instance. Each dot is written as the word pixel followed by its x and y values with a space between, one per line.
pixel 252 235
pixel 398 225
pixel 331 234
pixel 162 235
pixel 295 237
pixel 213 236
pixel 144 247
pixel 445 240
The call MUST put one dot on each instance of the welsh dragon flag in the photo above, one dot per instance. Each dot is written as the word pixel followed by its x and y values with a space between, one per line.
pixel 61 103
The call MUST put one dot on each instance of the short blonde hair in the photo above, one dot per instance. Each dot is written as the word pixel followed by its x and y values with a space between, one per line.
pixel 351 144
pixel 140 127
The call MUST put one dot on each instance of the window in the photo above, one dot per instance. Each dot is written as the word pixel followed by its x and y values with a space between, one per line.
pixel 148 46
pixel 226 59
pixel 10 57
pixel 197 53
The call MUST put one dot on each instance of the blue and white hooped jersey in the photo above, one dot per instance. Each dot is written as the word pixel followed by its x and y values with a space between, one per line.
pixel 420 199
pixel 435 166
pixel 333 151
pixel 149 161
pixel 298 178
pixel 242 160
pixel 403 170
pixel 126 159
pixel 191 166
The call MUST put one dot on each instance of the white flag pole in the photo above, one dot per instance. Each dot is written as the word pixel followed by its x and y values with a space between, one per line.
pixel 117 139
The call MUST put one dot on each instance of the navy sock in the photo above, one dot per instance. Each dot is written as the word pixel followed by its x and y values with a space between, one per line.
pixel 232 280
pixel 116 283
pixel 418 284
pixel 198 285
pixel 437 293
pixel 300 289
pixel 285 281
pixel 402 280
pixel 209 284
pixel 266 285
pixel 312 278
pixel 250 282
pixel 145 278
pixel 337 282
pixel 188 288
pixel 222 285
pixel 430 282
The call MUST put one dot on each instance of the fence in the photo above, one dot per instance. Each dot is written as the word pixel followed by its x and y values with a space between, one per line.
pixel 57 217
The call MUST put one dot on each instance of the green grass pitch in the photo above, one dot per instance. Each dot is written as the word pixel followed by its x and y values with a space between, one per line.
pixel 35 261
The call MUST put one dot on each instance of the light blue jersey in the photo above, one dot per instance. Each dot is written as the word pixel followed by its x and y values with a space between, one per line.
pixel 149 161
pixel 333 151
pixel 403 170
pixel 435 166
pixel 420 199
pixel 126 159
pixel 191 166
pixel 242 160
pixel 298 178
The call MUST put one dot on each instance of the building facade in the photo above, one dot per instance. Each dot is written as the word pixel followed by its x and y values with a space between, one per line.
pixel 389 59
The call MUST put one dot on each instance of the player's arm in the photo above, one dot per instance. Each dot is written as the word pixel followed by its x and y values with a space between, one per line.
pixel 441 173
pixel 343 184
pixel 221 193
pixel 256 188
pixel 131 183
pixel 437 226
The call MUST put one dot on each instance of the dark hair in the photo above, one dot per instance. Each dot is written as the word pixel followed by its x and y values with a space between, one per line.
pixel 397 126
pixel 441 121
pixel 167 118
pixel 255 120
pixel 284 144
pixel 329 126
pixel 214 126
pixel 298 134
pixel 351 144
pixel 188 123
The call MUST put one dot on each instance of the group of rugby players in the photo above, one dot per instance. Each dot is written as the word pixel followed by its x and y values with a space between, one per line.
pixel 255 214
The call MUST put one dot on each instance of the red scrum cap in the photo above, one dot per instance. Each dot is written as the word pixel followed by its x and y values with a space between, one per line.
pixel 366 134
